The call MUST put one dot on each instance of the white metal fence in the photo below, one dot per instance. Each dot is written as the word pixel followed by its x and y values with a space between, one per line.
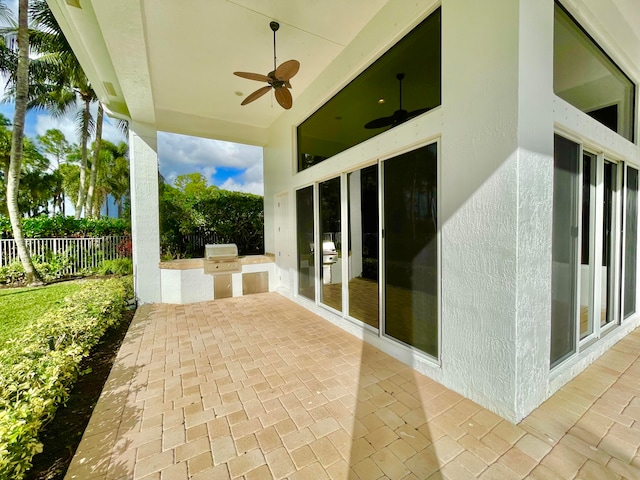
pixel 73 254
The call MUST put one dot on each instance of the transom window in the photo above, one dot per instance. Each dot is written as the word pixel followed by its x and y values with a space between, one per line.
pixel 403 83
pixel 586 77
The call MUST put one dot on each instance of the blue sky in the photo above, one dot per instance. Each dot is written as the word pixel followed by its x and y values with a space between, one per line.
pixel 227 165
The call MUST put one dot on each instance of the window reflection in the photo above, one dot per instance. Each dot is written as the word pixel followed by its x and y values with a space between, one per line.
pixel 340 123
pixel 411 248
pixel 304 214
pixel 587 78
pixel 363 251
pixel 331 237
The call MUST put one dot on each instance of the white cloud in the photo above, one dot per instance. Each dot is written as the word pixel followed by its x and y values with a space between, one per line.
pixel 69 127
pixel 180 154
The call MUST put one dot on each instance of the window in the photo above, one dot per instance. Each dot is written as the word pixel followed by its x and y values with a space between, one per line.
pixel 630 242
pixel 411 249
pixel 391 281
pixel 305 227
pixel 585 76
pixel 588 274
pixel 364 225
pixel 331 235
pixel 353 114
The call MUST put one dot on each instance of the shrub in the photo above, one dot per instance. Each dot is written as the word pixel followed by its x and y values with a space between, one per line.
pixel 38 368
pixel 51 268
pixel 60 227
pixel 118 266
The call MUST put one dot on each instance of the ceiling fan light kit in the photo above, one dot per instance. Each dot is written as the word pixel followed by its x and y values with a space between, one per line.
pixel 399 116
pixel 278 78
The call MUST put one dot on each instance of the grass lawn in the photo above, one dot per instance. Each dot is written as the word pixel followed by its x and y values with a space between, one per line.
pixel 19 306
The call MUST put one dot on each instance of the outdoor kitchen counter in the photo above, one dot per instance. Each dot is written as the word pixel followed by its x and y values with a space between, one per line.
pixel 193 263
pixel 184 281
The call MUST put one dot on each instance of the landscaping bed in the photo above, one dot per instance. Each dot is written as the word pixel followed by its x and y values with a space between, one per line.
pixel 41 364
pixel 60 439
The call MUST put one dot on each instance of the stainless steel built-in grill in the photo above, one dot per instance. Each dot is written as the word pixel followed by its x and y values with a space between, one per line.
pixel 329 253
pixel 221 258
pixel 329 257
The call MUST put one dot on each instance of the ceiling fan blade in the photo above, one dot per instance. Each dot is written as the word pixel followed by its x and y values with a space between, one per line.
pixel 255 95
pixel 287 70
pixel 284 98
pixel 380 122
pixel 253 76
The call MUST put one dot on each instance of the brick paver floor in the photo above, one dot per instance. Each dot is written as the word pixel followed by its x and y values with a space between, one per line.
pixel 259 388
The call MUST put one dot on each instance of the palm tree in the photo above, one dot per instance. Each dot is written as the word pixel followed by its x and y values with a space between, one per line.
pixel 65 83
pixel 116 173
pixel 55 144
pixel 13 178
pixel 94 163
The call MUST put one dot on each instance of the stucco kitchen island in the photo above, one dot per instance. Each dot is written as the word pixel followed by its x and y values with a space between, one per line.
pixel 184 280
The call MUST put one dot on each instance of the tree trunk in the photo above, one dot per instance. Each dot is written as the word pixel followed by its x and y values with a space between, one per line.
pixel 89 206
pixel 13 178
pixel 83 161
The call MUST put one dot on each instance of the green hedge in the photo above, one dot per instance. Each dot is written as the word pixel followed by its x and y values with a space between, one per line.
pixel 38 369
pixel 61 227
pixel 55 268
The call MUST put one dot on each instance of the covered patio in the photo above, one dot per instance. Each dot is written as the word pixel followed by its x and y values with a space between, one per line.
pixel 257 387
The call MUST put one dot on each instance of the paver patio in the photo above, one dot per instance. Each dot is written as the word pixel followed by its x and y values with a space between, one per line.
pixel 257 387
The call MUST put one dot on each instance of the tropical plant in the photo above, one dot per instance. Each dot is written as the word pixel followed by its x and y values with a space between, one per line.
pixel 193 209
pixel 13 176
pixel 54 143
pixel 63 85
pixel 39 368
pixel 114 177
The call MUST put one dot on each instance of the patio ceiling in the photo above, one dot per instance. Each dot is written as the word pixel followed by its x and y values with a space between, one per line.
pixel 170 63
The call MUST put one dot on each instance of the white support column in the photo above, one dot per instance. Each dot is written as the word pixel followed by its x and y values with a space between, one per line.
pixel 497 171
pixel 535 204
pixel 145 215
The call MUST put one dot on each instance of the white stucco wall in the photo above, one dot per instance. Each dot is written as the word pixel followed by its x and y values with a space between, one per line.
pixel 145 223
pixel 495 131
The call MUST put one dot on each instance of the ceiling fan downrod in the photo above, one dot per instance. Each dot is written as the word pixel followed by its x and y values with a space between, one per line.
pixel 274 26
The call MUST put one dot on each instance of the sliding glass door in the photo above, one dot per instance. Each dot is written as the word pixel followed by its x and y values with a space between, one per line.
pixel 589 243
pixel 363 257
pixel 330 243
pixel 564 278
pixel 305 228
pixel 411 249
pixel 630 242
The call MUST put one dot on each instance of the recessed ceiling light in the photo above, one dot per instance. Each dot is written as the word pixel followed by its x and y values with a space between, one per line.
pixel 381 101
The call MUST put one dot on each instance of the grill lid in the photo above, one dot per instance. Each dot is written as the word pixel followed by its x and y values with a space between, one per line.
pixel 221 251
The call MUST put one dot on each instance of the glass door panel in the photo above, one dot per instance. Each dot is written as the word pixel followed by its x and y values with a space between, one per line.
pixel 587 251
pixel 608 290
pixel 363 239
pixel 305 226
pixel 630 242
pixel 564 249
pixel 411 249
pixel 331 243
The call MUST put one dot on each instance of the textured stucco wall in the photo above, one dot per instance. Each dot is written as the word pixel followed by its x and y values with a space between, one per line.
pixel 495 131
pixel 145 223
